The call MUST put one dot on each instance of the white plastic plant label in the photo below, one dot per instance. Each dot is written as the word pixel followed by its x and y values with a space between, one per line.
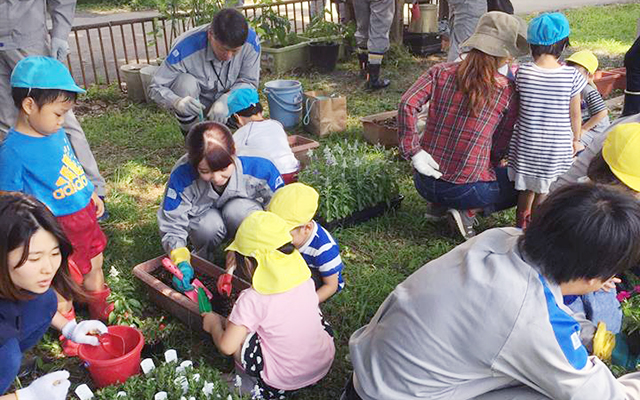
pixel 196 377
pixel 147 365
pixel 83 392
pixel 171 356
pixel 186 364
pixel 121 394
pixel 160 396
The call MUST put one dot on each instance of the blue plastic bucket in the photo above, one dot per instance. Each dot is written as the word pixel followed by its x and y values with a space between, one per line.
pixel 285 101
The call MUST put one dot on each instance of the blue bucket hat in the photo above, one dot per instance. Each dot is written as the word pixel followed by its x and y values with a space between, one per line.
pixel 242 98
pixel 548 29
pixel 38 72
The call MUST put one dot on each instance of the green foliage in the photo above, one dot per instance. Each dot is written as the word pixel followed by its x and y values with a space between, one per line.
pixel 631 314
pixel 274 29
pixel 165 378
pixel 350 177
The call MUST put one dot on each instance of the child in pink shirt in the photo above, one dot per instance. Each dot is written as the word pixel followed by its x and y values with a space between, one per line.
pixel 275 331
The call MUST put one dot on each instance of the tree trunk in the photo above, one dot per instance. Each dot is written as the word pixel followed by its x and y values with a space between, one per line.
pixel 398 23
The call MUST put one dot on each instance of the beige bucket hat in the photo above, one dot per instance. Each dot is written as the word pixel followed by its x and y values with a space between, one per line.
pixel 500 35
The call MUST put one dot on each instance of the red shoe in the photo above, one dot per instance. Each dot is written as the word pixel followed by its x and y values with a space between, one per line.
pixel 69 348
pixel 99 308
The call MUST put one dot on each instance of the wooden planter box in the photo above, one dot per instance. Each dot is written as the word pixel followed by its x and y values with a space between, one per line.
pixel 279 60
pixel 608 80
pixel 300 145
pixel 177 304
pixel 376 132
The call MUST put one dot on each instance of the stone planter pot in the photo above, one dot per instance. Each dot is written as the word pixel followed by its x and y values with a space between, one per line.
pixel 177 304
pixel 381 128
pixel 300 145
pixel 131 75
pixel 283 59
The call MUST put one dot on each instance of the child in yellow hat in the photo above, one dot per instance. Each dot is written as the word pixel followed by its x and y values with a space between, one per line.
pixel 595 114
pixel 297 203
pixel 275 331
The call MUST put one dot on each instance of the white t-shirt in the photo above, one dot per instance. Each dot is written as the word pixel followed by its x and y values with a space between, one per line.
pixel 297 350
pixel 266 139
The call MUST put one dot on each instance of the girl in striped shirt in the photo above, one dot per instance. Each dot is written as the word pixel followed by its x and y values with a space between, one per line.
pixel 549 120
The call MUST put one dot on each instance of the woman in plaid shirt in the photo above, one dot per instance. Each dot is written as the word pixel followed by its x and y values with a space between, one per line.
pixel 472 111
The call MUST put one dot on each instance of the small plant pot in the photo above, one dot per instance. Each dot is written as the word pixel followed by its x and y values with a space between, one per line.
pixel 177 304
pixel 363 215
pixel 300 145
pixel 324 55
pixel 151 350
pixel 381 128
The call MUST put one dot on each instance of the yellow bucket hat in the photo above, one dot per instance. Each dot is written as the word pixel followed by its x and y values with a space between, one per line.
pixel 621 151
pixel 586 59
pixel 259 236
pixel 295 203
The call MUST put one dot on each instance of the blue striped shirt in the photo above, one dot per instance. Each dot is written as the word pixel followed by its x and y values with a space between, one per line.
pixel 322 252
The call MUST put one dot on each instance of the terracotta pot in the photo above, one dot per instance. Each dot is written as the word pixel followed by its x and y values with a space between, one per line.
pixel 608 80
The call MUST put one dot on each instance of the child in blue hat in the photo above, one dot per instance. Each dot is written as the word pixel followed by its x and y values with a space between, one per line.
pixel 549 121
pixel 36 158
pixel 261 137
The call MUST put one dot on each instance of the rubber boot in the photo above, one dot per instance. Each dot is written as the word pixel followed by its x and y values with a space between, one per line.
pixel 99 308
pixel 69 348
pixel 373 78
pixel 363 59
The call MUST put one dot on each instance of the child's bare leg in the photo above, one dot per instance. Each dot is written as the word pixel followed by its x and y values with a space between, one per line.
pixel 539 198
pixel 94 280
pixel 523 210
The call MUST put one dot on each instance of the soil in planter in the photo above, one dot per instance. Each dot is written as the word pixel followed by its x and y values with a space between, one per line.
pixel 221 305
pixel 390 123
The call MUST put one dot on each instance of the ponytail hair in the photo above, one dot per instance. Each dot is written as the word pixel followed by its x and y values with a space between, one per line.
pixel 476 78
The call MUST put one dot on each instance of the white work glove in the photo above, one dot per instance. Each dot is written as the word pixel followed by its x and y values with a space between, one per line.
pixel 425 164
pixel 59 48
pixel 53 386
pixel 219 111
pixel 79 332
pixel 188 106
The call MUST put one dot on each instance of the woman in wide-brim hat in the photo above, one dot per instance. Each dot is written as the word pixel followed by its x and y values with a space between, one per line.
pixel 472 110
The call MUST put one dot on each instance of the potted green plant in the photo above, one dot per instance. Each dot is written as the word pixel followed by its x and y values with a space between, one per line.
pixel 356 181
pixel 327 41
pixel 282 49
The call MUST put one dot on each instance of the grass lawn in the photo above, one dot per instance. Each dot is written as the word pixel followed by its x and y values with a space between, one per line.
pixel 137 144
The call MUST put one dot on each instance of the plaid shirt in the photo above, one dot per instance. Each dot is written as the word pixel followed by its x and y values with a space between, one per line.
pixel 467 148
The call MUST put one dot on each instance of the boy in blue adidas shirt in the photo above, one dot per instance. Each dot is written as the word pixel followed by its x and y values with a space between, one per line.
pixel 36 158
pixel 297 203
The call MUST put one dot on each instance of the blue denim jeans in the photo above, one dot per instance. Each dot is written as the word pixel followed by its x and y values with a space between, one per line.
pixel 489 196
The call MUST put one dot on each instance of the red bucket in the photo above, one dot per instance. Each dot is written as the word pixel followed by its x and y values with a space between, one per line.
pixel 107 370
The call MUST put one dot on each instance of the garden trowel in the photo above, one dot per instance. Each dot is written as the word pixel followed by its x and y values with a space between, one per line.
pixel 193 293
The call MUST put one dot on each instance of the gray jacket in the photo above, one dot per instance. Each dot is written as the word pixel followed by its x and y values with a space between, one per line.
pixel 477 319
pixel 192 54
pixel 187 196
pixel 23 22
